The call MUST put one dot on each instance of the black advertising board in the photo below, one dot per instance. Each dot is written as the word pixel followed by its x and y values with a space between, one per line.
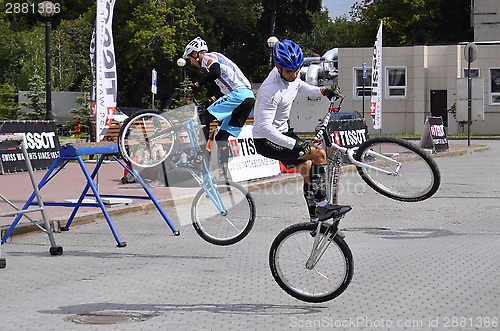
pixel 41 141
pixel 434 135
pixel 349 133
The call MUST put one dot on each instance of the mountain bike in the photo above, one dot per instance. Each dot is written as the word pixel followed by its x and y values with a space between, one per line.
pixel 222 212
pixel 311 261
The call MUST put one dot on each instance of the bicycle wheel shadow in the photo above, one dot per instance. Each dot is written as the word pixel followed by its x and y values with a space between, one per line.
pixel 152 310
pixel 413 233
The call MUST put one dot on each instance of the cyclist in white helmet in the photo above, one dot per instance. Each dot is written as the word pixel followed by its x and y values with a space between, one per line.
pixel 235 101
pixel 274 138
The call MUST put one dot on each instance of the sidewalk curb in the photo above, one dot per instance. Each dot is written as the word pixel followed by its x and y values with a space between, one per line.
pixel 149 207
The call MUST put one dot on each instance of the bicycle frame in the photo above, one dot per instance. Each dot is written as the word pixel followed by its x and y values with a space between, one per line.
pixel 203 177
pixel 323 133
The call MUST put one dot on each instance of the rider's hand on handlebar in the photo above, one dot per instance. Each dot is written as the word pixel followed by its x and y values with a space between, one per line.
pixel 304 147
pixel 331 92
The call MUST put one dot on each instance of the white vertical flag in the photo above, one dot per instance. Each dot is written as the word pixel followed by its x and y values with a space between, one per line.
pixel 92 67
pixel 376 97
pixel 105 67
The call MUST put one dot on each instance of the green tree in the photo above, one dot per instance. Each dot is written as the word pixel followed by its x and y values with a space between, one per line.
pixel 412 22
pixel 152 34
pixel 9 52
pixel 81 125
pixel 231 27
pixel 70 63
pixel 32 58
pixel 35 95
pixel 8 102
pixel 327 34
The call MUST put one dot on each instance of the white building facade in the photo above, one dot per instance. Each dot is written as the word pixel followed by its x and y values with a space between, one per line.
pixel 423 81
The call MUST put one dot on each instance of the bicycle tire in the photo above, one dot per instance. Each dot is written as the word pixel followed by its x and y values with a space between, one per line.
pixel 226 229
pixel 417 179
pixel 137 133
pixel 329 278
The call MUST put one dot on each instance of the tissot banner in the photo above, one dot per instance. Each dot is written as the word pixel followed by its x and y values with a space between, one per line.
pixel 348 133
pixel 434 135
pixel 376 98
pixel 245 163
pixel 105 67
pixel 41 140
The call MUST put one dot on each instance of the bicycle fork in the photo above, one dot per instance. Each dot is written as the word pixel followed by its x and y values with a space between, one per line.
pixel 321 243
pixel 214 195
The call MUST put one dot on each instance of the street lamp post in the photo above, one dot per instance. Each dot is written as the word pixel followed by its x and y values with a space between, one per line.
pixel 271 41
pixel 47 11
pixel 181 62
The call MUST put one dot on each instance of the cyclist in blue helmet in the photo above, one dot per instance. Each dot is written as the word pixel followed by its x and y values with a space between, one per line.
pixel 274 138
pixel 288 55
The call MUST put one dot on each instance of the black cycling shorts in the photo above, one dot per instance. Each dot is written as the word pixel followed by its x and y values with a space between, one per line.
pixel 289 157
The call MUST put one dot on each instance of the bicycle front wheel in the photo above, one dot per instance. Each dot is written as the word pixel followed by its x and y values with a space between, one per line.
pixel 224 215
pixel 147 139
pixel 398 169
pixel 326 279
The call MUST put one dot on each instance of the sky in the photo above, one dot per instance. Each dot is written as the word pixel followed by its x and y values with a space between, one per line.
pixel 337 8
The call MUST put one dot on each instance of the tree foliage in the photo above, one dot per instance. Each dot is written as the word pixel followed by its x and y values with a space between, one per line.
pixel 152 35
pixel 36 99
pixel 8 105
pixel 413 22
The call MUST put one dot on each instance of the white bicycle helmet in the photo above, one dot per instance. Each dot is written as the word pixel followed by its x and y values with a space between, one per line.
pixel 195 45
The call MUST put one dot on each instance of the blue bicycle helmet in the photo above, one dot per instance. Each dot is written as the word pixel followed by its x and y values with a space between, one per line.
pixel 288 55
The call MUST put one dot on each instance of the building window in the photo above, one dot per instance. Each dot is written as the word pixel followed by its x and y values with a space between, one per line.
pixel 495 86
pixel 395 82
pixel 358 83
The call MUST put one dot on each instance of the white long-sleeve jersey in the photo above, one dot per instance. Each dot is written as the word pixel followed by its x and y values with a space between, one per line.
pixel 231 77
pixel 273 104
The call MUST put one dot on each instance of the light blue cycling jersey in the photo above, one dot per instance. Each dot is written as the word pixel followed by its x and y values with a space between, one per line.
pixel 231 77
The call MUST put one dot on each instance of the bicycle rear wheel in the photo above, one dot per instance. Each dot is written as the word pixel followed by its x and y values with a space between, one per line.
pixel 223 228
pixel 147 139
pixel 402 171
pixel 326 280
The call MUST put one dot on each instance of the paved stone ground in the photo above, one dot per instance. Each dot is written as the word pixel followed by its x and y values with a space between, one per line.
pixel 432 265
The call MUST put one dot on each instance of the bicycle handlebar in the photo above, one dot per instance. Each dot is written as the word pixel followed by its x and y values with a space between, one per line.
pixel 326 119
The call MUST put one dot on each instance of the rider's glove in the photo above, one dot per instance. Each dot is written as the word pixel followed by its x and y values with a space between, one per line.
pixel 331 91
pixel 304 147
